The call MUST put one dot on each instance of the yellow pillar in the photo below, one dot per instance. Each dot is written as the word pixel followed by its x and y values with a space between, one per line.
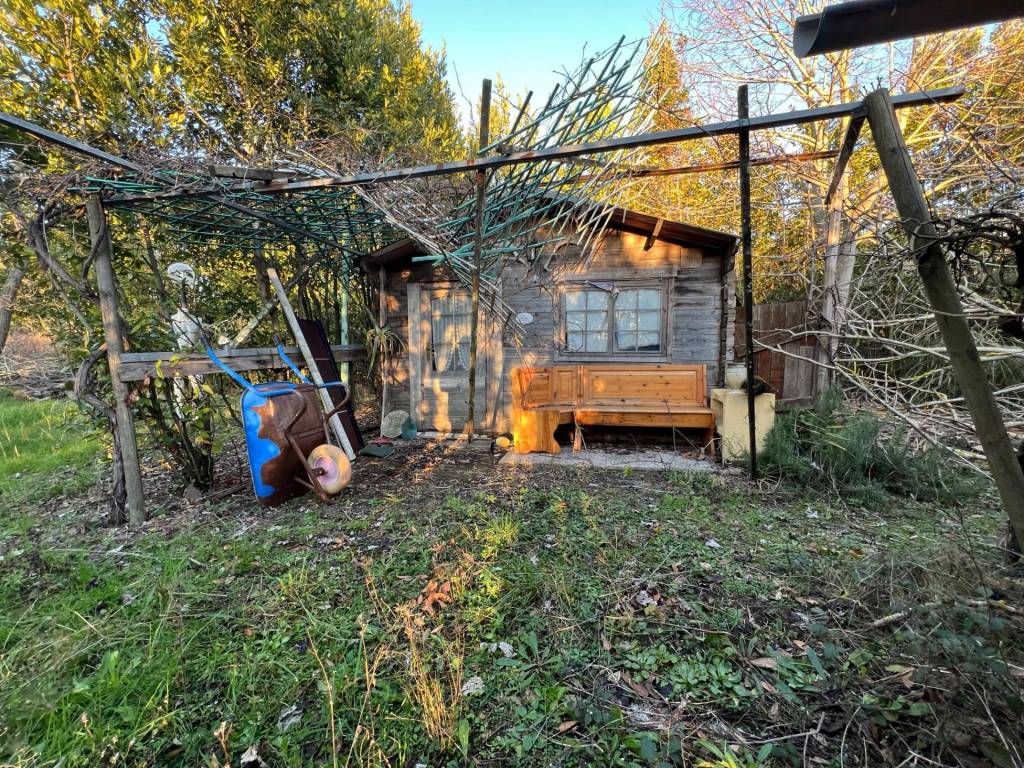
pixel 731 421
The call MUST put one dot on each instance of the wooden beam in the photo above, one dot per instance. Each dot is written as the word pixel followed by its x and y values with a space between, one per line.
pixel 259 174
pixel 746 239
pixel 845 153
pixel 945 301
pixel 727 127
pixel 649 243
pixel 106 284
pixel 314 371
pixel 136 366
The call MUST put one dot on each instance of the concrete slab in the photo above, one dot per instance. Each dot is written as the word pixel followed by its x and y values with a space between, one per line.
pixel 610 459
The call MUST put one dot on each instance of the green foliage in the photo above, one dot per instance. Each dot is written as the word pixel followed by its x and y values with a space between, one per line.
pixel 835 448
pixel 237 80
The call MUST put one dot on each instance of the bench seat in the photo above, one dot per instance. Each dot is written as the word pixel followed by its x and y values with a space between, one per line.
pixel 637 395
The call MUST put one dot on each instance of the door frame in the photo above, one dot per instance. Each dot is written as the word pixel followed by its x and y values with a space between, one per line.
pixel 490 354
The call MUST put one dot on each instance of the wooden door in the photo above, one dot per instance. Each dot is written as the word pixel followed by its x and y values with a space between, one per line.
pixel 439 325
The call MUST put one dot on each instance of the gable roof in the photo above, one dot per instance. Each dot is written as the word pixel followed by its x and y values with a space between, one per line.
pixel 622 219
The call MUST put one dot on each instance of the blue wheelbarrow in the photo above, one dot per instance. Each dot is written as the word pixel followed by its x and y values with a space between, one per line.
pixel 286 438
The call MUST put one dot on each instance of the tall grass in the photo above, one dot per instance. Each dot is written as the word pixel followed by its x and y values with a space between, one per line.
pixel 834 447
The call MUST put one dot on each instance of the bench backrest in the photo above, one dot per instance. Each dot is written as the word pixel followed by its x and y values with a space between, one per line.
pixel 636 384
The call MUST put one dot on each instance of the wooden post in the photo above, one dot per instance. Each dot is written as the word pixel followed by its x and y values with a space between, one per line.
pixel 382 320
pixel 478 257
pixel 343 319
pixel 748 277
pixel 307 355
pixel 106 284
pixel 945 301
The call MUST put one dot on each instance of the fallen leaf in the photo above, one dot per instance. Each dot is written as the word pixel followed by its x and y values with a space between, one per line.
pixel 567 725
pixel 764 662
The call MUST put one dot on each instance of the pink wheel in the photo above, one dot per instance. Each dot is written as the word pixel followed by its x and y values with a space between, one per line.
pixel 335 468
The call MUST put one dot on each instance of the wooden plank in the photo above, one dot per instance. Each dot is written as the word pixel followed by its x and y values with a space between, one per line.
pixel 314 372
pixel 136 366
pixel 645 419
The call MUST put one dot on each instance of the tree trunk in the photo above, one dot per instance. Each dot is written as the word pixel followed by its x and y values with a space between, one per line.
pixel 945 301
pixel 7 296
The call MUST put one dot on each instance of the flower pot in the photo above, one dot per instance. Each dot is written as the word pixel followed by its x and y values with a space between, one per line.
pixel 735 375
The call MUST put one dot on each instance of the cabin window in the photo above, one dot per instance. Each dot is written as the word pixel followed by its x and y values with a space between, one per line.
pixel 609 318
pixel 586 321
pixel 638 320
pixel 449 332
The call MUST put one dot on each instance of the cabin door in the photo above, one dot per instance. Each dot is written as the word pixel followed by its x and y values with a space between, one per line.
pixel 439 325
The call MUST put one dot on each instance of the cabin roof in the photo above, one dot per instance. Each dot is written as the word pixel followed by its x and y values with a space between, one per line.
pixel 622 219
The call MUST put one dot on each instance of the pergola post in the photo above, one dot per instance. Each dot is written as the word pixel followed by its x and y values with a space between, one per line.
pixel 106 284
pixel 748 277
pixel 478 258
pixel 945 302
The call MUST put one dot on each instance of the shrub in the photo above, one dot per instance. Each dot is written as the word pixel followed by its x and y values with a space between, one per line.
pixel 831 446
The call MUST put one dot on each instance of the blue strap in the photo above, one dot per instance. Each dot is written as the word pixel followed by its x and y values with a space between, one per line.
pixel 239 379
pixel 294 368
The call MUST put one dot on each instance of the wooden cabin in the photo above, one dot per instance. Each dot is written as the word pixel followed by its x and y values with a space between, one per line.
pixel 645 294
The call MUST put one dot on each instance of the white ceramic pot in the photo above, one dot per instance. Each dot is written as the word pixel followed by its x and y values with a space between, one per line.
pixel 735 375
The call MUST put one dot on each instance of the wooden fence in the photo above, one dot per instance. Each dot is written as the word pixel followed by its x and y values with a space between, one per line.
pixel 790 372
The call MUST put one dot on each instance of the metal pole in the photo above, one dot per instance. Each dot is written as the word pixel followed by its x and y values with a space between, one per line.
pixel 748 277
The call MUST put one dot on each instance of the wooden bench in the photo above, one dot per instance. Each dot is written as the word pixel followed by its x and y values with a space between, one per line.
pixel 631 395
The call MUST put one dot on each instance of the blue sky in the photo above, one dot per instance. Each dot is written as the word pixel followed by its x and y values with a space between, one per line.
pixel 524 41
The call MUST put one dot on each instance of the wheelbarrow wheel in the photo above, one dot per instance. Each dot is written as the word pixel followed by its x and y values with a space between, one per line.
pixel 335 468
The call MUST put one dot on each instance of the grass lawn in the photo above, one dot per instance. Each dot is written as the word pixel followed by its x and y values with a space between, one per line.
pixel 448 611
pixel 46 450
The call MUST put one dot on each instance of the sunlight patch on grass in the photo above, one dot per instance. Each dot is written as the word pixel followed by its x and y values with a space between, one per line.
pixel 46 448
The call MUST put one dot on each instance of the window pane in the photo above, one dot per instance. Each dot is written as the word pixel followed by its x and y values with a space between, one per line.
pixel 626 299
pixel 449 332
pixel 648 341
pixel 597 321
pixel 575 321
pixel 625 341
pixel 649 321
pixel 574 342
pixel 597 300
pixel 597 342
pixel 649 298
pixel 575 300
